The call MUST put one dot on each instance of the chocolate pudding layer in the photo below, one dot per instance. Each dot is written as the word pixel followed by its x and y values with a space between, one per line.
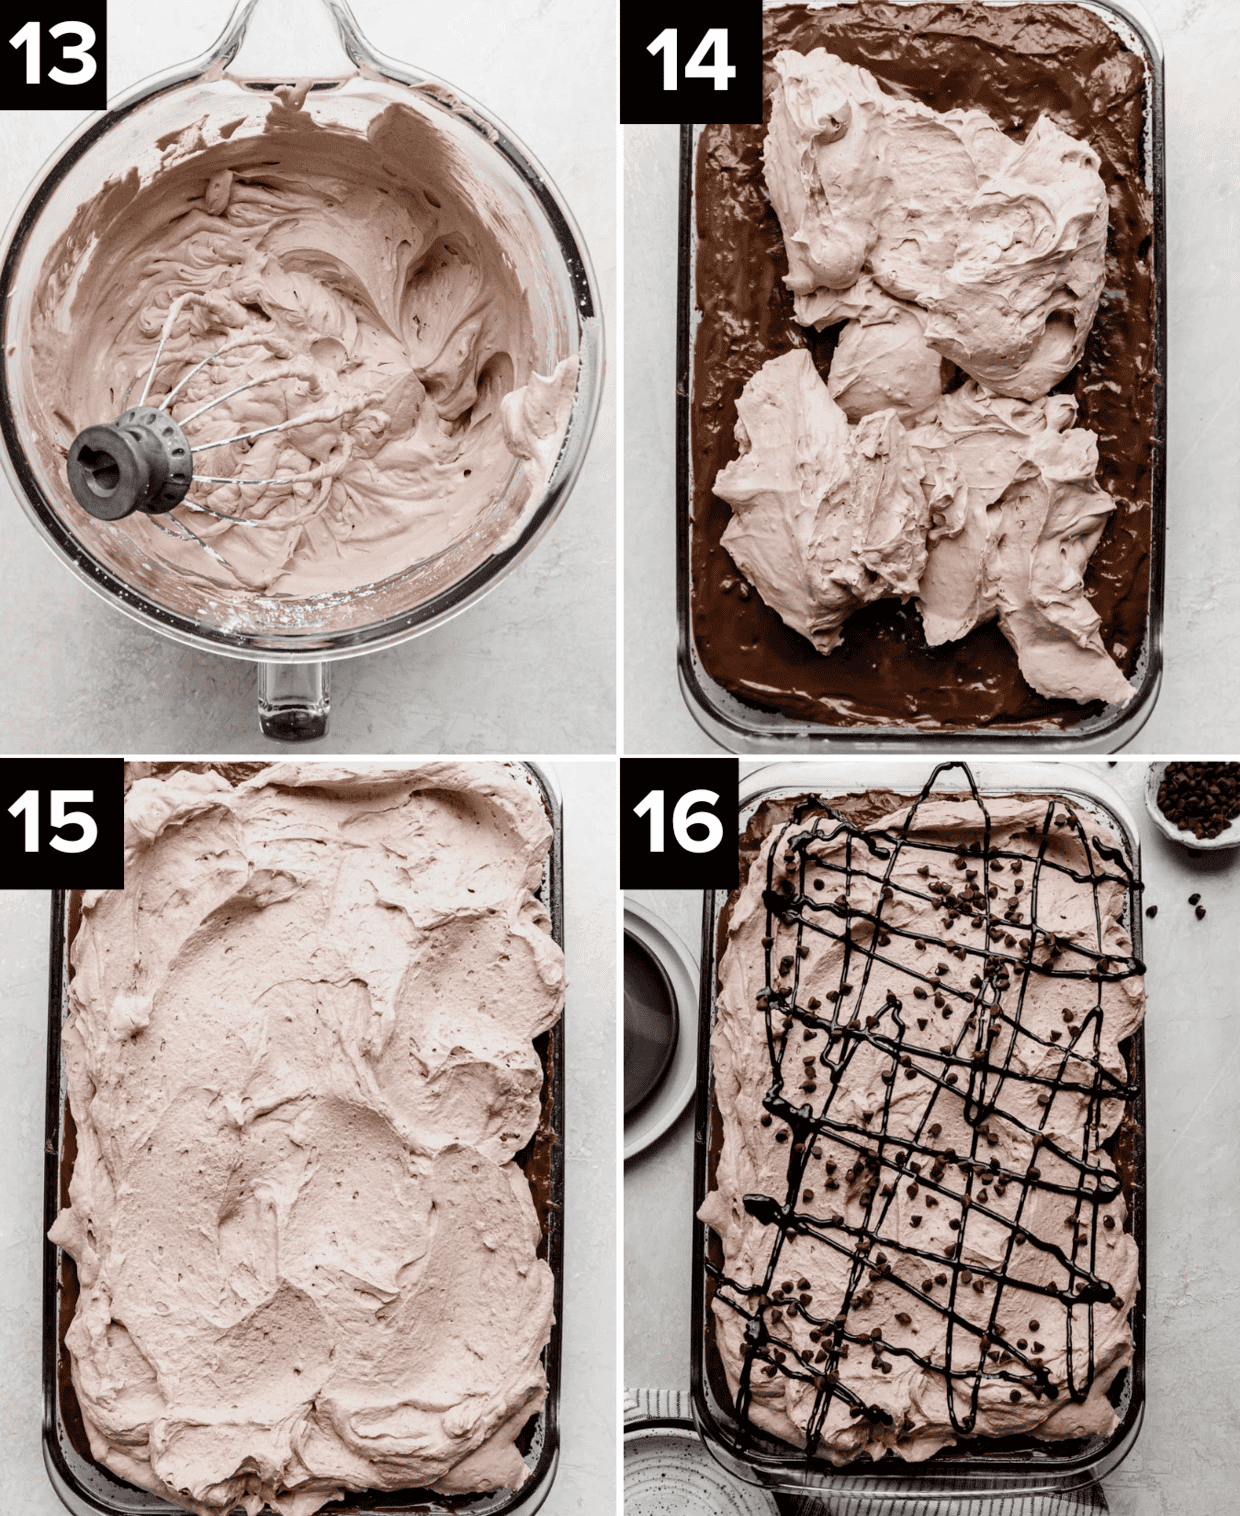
pixel 1016 63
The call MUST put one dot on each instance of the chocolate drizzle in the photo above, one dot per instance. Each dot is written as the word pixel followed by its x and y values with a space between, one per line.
pixel 1016 63
pixel 809 892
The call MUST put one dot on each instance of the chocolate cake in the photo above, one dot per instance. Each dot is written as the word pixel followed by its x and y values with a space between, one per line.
pixel 305 1057
pixel 922 1172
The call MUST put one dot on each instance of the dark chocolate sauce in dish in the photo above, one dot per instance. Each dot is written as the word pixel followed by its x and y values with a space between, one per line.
pixel 651 1023
pixel 986 1085
pixel 1015 63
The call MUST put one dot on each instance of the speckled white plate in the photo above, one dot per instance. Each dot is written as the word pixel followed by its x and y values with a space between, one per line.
pixel 667 1472
pixel 1229 837
pixel 655 1114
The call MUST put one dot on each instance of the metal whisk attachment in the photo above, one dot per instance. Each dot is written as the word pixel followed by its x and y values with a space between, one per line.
pixel 143 460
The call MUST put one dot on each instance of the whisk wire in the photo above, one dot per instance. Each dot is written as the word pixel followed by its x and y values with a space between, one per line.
pixel 186 534
pixel 174 310
pixel 227 395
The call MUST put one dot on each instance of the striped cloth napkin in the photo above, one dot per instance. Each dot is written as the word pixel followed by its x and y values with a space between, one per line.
pixel 656 1405
pixel 674 1405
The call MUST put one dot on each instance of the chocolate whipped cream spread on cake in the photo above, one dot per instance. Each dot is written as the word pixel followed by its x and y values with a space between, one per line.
pixel 300 1063
pixel 923 1230
pixel 1046 101
pixel 375 285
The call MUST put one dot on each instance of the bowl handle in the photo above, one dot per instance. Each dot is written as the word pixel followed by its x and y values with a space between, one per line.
pixel 294 700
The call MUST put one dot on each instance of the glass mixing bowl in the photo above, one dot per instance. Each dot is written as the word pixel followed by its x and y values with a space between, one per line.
pixel 293 639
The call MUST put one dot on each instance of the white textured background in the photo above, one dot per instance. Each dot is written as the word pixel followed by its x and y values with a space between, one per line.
pixel 1200 701
pixel 79 676
pixel 585 1482
pixel 1184 1462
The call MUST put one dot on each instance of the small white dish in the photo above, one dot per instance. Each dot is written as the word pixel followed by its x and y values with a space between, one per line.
pixel 1229 837
pixel 653 1117
pixel 668 1472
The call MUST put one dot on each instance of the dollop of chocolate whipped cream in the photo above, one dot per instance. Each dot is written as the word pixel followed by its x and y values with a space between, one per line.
pixel 948 203
pixel 974 249
pixel 918 1077
pixel 300 1061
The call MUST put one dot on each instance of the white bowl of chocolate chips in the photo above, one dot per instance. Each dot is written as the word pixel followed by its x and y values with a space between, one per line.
pixel 1197 804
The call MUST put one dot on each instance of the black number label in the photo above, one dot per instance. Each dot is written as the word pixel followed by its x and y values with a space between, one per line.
pixel 58 60
pixel 62 823
pixel 677 65
pixel 678 823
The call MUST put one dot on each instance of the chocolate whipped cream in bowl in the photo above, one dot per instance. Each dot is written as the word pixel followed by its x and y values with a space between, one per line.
pixel 303 352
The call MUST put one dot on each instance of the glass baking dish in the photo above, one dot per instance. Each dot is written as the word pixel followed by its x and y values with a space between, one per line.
pixel 90 1489
pixel 833 720
pixel 1018 1465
